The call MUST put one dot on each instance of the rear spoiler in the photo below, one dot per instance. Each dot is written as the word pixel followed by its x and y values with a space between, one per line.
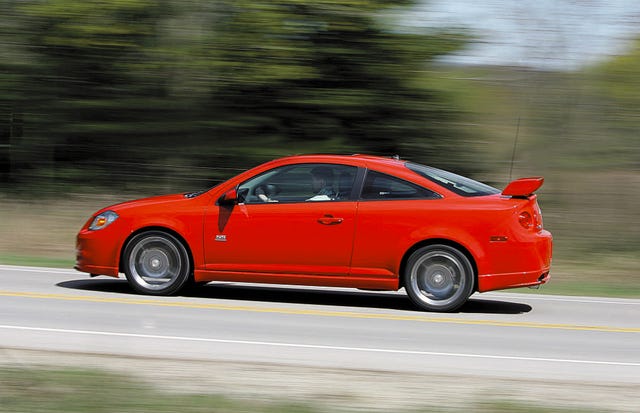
pixel 523 186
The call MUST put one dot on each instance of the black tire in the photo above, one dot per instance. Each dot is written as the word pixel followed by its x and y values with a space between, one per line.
pixel 156 263
pixel 438 278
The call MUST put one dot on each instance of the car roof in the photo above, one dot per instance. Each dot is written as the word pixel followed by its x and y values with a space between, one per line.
pixel 390 165
pixel 366 159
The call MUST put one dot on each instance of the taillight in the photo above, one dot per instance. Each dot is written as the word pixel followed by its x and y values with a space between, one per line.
pixel 538 217
pixel 530 221
pixel 526 220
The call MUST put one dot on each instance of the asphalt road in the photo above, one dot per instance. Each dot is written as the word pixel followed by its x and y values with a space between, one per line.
pixel 508 336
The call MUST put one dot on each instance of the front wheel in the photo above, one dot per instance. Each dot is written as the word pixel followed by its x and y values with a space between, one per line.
pixel 438 278
pixel 156 263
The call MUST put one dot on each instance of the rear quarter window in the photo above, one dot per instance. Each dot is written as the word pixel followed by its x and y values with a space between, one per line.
pixel 455 183
pixel 382 186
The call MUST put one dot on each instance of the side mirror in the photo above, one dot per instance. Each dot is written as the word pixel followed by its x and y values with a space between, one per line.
pixel 229 198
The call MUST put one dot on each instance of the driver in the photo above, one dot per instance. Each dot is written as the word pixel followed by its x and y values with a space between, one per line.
pixel 322 184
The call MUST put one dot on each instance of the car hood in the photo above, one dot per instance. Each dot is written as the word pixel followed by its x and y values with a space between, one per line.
pixel 145 202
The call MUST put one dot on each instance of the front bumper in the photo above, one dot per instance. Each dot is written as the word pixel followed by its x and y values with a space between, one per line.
pixel 97 253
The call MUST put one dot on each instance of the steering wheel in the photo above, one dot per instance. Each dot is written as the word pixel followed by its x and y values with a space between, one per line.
pixel 266 192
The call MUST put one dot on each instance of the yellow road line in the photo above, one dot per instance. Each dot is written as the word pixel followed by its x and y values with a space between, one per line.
pixel 324 313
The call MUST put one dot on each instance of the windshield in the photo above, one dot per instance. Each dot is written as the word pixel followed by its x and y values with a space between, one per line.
pixel 453 182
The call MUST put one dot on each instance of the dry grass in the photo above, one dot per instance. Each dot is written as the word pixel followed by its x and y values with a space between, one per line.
pixel 42 232
pixel 46 228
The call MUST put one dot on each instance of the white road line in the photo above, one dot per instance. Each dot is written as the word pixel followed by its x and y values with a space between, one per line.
pixel 40 270
pixel 318 346
pixel 560 298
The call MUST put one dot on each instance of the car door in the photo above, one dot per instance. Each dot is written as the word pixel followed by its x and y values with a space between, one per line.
pixel 390 212
pixel 283 224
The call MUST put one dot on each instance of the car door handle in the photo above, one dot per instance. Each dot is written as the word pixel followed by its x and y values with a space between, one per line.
pixel 330 220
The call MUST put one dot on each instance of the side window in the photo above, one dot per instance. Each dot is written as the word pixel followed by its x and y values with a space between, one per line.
pixel 300 183
pixel 382 186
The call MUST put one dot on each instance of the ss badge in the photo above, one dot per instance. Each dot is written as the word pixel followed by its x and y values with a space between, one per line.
pixel 221 238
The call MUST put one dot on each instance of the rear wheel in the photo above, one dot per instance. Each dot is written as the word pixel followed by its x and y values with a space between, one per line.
pixel 438 278
pixel 156 263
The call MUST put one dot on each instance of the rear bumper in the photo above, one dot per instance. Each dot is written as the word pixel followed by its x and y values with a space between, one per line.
pixel 513 280
pixel 522 264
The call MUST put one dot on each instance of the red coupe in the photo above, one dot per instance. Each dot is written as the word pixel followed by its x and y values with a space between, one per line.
pixel 327 220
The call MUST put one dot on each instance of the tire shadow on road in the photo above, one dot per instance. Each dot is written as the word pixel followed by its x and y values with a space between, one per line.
pixel 297 295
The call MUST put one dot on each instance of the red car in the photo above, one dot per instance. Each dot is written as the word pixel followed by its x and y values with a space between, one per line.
pixel 327 220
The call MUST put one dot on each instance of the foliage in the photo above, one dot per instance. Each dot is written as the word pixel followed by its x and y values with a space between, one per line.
pixel 140 86
pixel 148 97
pixel 618 77
pixel 579 131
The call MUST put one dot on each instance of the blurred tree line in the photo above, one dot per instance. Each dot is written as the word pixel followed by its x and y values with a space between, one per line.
pixel 102 92
pixel 156 96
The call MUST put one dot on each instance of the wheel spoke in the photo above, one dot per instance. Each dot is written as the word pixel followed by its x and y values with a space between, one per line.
pixel 439 278
pixel 156 263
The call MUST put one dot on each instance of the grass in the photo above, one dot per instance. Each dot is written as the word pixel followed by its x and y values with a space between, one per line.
pixel 43 234
pixel 612 275
pixel 36 261
pixel 76 390
pixel 71 390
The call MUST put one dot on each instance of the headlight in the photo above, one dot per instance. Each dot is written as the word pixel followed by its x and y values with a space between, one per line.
pixel 103 220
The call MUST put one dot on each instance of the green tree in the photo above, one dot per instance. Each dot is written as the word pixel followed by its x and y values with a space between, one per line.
pixel 319 70
pixel 617 90
pixel 140 86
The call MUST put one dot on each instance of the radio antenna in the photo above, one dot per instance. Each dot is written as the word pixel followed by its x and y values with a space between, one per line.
pixel 513 155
